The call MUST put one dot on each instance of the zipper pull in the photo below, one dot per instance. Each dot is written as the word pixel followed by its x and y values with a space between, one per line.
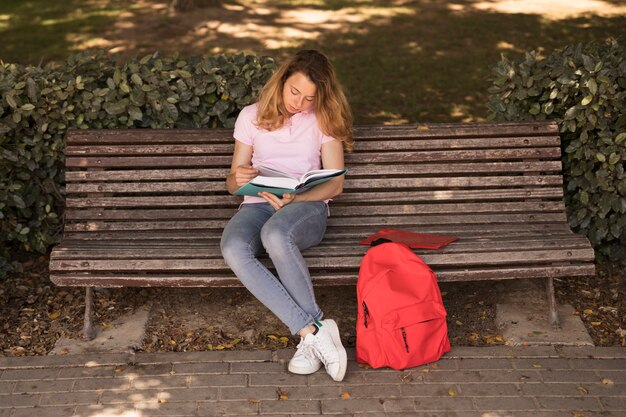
pixel 406 345
pixel 366 313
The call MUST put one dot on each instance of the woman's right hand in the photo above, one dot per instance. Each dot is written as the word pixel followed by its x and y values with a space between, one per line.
pixel 244 173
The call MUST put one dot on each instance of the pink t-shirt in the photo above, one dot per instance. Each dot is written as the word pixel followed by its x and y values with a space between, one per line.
pixel 295 148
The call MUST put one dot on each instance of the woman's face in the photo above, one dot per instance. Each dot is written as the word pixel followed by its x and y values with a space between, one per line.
pixel 298 93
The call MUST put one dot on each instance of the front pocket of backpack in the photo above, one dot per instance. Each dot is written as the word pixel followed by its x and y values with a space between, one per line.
pixel 414 334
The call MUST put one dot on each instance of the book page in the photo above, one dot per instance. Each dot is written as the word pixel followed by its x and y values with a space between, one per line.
pixel 319 173
pixel 271 172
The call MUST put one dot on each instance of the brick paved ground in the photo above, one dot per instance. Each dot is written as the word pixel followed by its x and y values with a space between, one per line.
pixel 481 382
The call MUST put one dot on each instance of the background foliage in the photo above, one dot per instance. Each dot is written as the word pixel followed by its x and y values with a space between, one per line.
pixel 38 105
pixel 583 88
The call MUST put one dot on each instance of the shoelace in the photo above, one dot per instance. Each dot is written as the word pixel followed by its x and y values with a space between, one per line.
pixel 307 350
pixel 324 353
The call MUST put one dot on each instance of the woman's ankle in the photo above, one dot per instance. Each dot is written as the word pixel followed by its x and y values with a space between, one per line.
pixel 306 330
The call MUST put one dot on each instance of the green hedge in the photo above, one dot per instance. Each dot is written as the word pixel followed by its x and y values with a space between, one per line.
pixel 583 88
pixel 39 104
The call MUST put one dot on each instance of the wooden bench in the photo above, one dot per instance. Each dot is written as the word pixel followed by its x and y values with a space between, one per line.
pixel 146 208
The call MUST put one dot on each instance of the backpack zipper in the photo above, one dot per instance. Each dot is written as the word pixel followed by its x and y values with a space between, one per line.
pixel 406 345
pixel 366 313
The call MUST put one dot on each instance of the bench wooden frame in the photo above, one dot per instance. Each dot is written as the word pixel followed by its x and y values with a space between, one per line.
pixel 147 207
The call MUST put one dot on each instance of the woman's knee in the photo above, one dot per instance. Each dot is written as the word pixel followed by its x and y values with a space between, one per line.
pixel 274 238
pixel 234 248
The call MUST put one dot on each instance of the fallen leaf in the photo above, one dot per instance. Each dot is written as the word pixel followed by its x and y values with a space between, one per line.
pixel 163 401
pixel 282 395
pixel 434 366
pixel 452 392
pixel 607 381
pixel 578 414
pixel 458 323
pixel 422 127
pixel 536 365
pixel 582 390
pixel 596 323
pixel 254 401
pixel 345 394
pixel 54 315
pixel 272 337
pixel 588 311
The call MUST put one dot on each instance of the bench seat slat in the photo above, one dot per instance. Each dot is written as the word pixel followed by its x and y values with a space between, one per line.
pixel 318 262
pixel 322 278
pixel 211 250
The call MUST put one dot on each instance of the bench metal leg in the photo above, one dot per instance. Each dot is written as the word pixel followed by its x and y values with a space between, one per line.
pixel 553 315
pixel 88 331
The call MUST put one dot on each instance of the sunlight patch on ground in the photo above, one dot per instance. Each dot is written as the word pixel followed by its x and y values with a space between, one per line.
pixel 552 9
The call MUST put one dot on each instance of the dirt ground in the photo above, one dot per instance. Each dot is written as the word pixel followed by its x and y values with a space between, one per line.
pixel 34 313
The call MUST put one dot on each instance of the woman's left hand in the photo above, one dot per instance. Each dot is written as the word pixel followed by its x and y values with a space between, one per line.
pixel 276 201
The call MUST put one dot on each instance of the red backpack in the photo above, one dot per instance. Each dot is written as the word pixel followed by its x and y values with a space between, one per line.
pixel 401 318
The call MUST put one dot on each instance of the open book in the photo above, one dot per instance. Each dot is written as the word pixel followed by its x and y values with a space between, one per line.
pixel 279 183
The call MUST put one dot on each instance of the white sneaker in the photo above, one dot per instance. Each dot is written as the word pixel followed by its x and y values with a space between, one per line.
pixel 328 348
pixel 305 362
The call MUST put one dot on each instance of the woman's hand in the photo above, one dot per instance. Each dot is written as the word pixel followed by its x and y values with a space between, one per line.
pixel 276 201
pixel 244 173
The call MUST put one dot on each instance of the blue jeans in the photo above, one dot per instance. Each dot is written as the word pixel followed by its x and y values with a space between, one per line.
pixel 256 228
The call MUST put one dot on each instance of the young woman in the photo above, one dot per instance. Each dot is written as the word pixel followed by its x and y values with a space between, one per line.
pixel 301 122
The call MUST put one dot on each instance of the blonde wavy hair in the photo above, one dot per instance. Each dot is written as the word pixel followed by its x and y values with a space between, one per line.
pixel 331 107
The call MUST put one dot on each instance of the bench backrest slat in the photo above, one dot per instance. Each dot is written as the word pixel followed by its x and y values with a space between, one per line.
pixel 170 183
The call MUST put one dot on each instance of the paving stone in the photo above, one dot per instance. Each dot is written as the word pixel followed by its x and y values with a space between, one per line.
pixel 218 380
pixel 444 403
pixel 322 378
pixel 150 382
pixel 225 408
pixel 290 406
pixel 248 393
pixel 68 398
pixel 64 361
pixel 505 403
pixel 488 390
pixel 555 388
pixel 616 377
pixel 83 372
pixel 166 409
pixel 426 390
pixel 392 377
pixel 492 363
pixel 592 352
pixel 502 352
pixel 349 405
pixel 20 400
pixel 29 374
pixel 130 397
pixel 540 363
pixel 373 391
pixel 43 386
pixel 569 403
pixel 95 384
pixel 6 412
pixel 7 387
pixel 454 376
pixel 101 410
pixel 67 411
pixel 598 364
pixel 280 379
pixel 256 367
pixel 201 368
pixel 512 376
pixel 399 405
pixel 614 403
pixel 313 393
pixel 174 395
pixel 159 369
pixel 569 376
